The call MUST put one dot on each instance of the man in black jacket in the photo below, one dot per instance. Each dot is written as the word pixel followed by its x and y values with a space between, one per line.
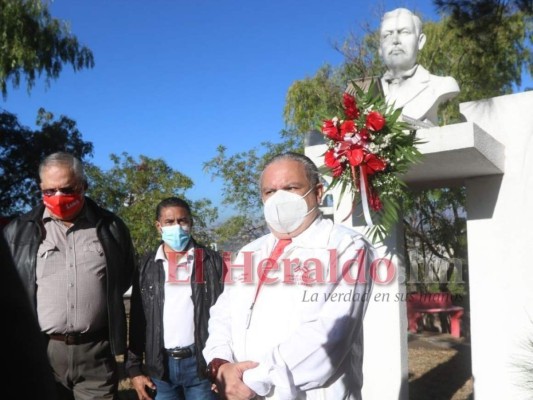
pixel 75 260
pixel 26 350
pixel 172 293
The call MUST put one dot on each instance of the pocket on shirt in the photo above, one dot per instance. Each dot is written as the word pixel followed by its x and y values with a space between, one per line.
pixel 47 249
pixel 94 247
pixel 92 258
pixel 49 263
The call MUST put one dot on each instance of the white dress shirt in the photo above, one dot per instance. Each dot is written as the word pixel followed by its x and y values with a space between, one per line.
pixel 178 308
pixel 307 337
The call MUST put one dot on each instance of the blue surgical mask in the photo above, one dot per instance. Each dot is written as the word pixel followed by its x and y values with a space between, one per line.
pixel 176 236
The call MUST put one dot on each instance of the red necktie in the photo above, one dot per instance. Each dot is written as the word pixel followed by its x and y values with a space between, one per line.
pixel 276 252
pixel 278 248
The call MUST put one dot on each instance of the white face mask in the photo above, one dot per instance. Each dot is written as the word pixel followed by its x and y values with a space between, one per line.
pixel 285 211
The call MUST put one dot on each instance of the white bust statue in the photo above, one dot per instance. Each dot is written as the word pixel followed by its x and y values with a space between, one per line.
pixel 405 83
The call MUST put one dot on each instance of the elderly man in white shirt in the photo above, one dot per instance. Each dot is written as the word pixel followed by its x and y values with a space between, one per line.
pixel 292 329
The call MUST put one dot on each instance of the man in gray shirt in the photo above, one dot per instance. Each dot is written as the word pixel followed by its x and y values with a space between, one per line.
pixel 75 260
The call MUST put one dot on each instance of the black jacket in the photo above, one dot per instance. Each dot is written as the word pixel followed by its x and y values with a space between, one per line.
pixel 24 235
pixel 26 350
pixel 146 314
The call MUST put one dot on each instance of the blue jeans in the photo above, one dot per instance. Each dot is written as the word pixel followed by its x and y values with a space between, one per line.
pixel 184 382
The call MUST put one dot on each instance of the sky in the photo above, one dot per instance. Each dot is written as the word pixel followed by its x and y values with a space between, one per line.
pixel 173 79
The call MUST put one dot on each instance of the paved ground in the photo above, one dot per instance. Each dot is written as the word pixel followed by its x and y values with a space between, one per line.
pixel 440 367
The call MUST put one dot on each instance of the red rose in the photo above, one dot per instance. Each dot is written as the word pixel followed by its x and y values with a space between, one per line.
pixel 350 106
pixel 375 121
pixel 330 128
pixel 331 161
pixel 355 155
pixel 348 128
pixel 374 164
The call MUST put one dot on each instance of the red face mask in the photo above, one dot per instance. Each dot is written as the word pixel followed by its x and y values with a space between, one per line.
pixel 65 206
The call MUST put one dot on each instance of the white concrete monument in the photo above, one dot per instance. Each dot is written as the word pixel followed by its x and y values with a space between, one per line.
pixel 492 155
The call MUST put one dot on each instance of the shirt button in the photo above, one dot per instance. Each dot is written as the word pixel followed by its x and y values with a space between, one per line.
pixel 71 284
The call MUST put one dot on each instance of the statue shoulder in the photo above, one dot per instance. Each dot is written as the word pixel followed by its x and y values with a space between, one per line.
pixel 444 84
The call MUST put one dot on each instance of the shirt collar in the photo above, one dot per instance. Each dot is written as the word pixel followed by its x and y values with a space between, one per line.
pixel 316 235
pixel 160 254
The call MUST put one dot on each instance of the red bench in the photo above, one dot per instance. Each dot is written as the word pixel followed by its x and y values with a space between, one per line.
pixel 420 303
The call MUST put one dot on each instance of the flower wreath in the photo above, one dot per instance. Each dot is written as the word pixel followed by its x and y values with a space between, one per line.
pixel 367 152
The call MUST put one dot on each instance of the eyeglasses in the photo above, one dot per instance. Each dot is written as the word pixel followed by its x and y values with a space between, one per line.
pixel 64 190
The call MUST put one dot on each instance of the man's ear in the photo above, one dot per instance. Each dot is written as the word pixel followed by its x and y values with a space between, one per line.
pixel 319 192
pixel 158 226
pixel 421 41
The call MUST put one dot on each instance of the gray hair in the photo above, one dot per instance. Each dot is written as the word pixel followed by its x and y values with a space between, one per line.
pixel 396 12
pixel 66 160
pixel 311 170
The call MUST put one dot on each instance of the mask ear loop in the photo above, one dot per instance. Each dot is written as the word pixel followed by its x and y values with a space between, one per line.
pixel 305 195
pixel 315 207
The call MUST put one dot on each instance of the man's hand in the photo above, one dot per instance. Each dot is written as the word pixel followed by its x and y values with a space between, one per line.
pixel 229 381
pixel 139 382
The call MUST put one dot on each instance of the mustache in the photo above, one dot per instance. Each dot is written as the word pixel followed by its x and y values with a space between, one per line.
pixel 396 50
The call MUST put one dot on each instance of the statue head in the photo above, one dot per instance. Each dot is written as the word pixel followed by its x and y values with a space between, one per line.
pixel 401 39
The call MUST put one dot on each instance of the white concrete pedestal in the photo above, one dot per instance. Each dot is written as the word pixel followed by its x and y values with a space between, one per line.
pixel 500 239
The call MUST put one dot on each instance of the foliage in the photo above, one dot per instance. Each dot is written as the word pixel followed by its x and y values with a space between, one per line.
pixel 367 153
pixel 435 224
pixel 485 47
pixel 524 363
pixel 309 100
pixel 240 173
pixel 239 230
pixel 133 188
pixel 33 43
pixel 21 151
pixel 361 55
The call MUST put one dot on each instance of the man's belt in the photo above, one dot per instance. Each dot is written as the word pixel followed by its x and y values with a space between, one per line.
pixel 73 338
pixel 181 352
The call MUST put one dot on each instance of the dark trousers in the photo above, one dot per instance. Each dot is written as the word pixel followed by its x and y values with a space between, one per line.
pixel 84 371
